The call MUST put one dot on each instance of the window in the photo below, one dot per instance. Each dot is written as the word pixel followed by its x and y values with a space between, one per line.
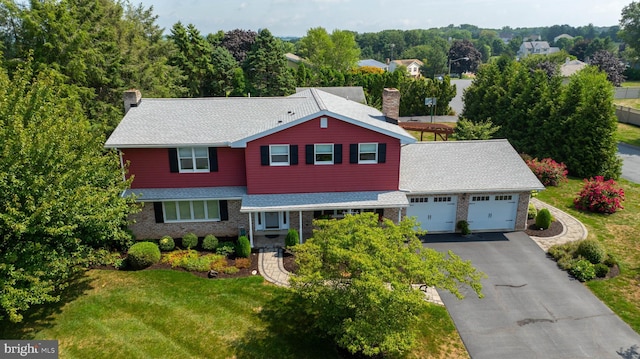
pixel 504 197
pixel 279 155
pixel 191 211
pixel 323 122
pixel 271 220
pixel 479 198
pixel 367 153
pixel 442 199
pixel 323 154
pixel 193 159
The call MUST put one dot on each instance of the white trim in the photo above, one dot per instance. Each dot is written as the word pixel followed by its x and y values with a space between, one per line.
pixel 272 163
pixel 315 154
pixel 177 209
pixel 300 227
pixel 324 122
pixel 250 230
pixel 193 160
pixel 375 153
pixel 261 220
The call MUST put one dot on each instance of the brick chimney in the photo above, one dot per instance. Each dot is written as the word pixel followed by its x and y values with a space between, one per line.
pixel 391 104
pixel 131 98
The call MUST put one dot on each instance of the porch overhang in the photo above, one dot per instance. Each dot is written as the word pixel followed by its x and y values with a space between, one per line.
pixel 177 194
pixel 323 201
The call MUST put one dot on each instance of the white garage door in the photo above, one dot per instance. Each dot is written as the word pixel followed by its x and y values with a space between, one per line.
pixel 493 212
pixel 435 213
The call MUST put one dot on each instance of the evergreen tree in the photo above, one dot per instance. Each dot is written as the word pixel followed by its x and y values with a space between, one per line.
pixel 266 68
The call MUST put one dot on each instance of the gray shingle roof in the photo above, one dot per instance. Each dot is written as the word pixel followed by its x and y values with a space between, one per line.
pixel 322 201
pixel 464 167
pixel 166 194
pixel 236 120
pixel 353 93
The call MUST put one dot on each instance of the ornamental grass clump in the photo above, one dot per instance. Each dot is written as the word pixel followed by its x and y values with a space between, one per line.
pixel 548 171
pixel 600 196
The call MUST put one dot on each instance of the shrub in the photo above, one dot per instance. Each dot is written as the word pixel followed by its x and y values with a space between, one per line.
pixel 543 219
pixel 230 270
pixel 532 211
pixel 190 260
pixel 220 263
pixel 583 270
pixel 143 254
pixel 463 226
pixel 225 249
pixel 190 240
pixel 592 250
pixel 292 238
pixel 548 171
pixel 610 261
pixel 600 196
pixel 210 242
pixel 601 270
pixel 243 263
pixel 563 250
pixel 244 247
pixel 166 244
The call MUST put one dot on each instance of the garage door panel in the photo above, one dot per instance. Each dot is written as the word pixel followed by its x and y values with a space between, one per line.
pixel 434 213
pixel 492 212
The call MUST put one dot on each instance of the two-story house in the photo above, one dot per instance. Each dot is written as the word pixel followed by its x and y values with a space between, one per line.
pixel 535 48
pixel 412 65
pixel 263 165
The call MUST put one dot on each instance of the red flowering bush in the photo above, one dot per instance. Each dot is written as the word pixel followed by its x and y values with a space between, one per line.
pixel 548 171
pixel 600 196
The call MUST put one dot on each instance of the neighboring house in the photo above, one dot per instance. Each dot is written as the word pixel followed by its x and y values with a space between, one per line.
pixel 263 165
pixel 536 48
pixel 562 36
pixel 373 63
pixel 293 60
pixel 412 65
pixel 570 67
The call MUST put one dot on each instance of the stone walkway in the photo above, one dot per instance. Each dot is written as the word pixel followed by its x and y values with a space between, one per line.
pixel 272 269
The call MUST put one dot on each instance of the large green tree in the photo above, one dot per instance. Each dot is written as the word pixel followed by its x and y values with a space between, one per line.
pixel 338 50
pixel 355 282
pixel 630 25
pixel 266 68
pixel 59 190
pixel 573 123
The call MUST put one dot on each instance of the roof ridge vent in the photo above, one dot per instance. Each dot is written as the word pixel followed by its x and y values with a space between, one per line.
pixel 316 97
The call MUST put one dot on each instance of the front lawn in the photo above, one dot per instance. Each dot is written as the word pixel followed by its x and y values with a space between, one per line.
pixel 619 233
pixel 175 314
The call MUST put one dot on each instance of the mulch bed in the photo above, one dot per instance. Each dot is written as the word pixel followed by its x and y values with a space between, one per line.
pixel 555 229
pixel 289 262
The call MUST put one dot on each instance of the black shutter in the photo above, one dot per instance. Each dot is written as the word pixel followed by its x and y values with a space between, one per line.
pixel 224 210
pixel 337 153
pixel 353 153
pixel 293 154
pixel 317 214
pixel 213 159
pixel 308 152
pixel 382 152
pixel 157 210
pixel 173 160
pixel 264 155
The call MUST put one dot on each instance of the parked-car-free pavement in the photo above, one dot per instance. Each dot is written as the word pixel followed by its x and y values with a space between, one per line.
pixel 531 308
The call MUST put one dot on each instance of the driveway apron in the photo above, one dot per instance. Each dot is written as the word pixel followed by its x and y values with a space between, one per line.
pixel 530 309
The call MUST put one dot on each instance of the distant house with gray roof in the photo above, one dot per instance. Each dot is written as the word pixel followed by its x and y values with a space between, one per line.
pixel 536 48
pixel 261 166
pixel 373 63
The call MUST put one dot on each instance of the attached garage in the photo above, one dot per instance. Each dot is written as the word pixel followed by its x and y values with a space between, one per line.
pixel 496 212
pixel 434 213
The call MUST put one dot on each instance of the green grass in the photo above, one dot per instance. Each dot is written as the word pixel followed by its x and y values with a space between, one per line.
pixel 628 134
pixel 174 314
pixel 619 233
pixel 631 84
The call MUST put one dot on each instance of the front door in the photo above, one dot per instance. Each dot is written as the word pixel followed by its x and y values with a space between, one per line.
pixel 272 220
pixel 269 221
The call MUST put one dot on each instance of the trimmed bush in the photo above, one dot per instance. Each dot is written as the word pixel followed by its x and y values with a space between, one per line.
pixel 463 226
pixel 190 240
pixel 292 238
pixel 583 270
pixel 166 244
pixel 600 196
pixel 548 171
pixel 243 249
pixel 601 270
pixel 210 242
pixel 592 250
pixel 543 219
pixel 225 249
pixel 143 254
pixel 610 261
pixel 532 211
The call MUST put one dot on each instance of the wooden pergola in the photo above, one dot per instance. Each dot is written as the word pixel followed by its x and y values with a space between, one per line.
pixel 438 129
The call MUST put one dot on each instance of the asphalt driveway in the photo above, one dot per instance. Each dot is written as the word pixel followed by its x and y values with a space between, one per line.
pixel 631 162
pixel 531 309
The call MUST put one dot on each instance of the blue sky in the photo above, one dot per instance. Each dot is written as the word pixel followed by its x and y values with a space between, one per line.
pixel 295 17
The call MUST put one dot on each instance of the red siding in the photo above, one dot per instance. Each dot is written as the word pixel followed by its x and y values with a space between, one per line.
pixel 150 167
pixel 303 178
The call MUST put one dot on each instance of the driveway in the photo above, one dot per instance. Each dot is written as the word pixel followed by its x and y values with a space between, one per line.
pixel 531 309
pixel 631 162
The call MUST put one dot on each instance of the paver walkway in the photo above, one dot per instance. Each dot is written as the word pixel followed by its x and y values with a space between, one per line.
pixel 272 268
